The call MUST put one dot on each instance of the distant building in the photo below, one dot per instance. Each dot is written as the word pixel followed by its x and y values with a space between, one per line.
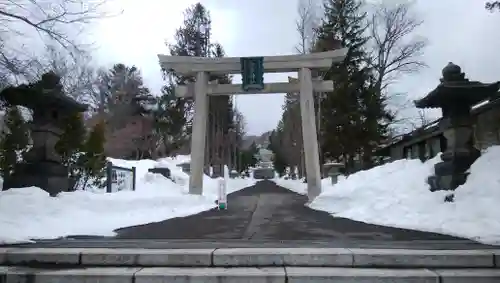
pixel 428 141
pixel 126 140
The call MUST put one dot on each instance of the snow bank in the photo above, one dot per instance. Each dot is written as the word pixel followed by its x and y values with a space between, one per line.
pixel 30 213
pixel 397 195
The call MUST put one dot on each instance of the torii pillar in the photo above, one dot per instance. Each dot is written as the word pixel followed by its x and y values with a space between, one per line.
pixel 199 135
pixel 309 134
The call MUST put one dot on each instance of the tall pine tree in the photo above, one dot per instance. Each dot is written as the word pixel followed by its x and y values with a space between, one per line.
pixel 194 39
pixel 247 157
pixel 170 121
pixel 124 94
pixel 126 102
pixel 275 145
pixel 350 115
pixel 290 130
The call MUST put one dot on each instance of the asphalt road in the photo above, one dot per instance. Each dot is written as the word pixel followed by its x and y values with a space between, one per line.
pixel 269 212
pixel 264 215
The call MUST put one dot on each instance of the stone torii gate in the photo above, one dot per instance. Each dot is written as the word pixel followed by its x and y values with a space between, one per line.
pixel 252 70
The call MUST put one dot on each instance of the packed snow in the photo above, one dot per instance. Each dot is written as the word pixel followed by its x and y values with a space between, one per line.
pixel 30 213
pixel 397 195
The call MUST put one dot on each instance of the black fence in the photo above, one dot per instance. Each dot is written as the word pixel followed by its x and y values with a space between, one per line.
pixel 119 178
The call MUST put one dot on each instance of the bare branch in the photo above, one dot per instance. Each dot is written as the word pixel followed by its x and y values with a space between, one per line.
pixel 395 48
pixel 58 23
pixel 58 20
pixel 78 76
pixel 411 118
pixel 493 5
pixel 306 25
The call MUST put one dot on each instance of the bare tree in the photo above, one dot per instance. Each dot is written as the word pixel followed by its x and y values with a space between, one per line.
pixel 395 49
pixel 78 76
pixel 306 25
pixel 408 118
pixel 59 22
pixel 50 18
pixel 422 119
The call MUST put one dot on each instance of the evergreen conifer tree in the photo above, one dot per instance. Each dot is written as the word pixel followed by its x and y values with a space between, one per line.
pixel 247 157
pixel 70 145
pixel 350 115
pixel 13 140
pixel 93 160
pixel 193 38
pixel 71 141
pixel 279 162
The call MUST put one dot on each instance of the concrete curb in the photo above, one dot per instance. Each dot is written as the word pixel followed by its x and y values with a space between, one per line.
pixel 335 274
pixel 252 257
pixel 246 274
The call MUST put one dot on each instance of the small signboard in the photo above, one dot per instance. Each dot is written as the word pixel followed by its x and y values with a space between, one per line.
pixel 119 178
pixel 252 73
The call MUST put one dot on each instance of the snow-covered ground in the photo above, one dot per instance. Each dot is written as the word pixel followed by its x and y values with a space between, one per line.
pixel 29 213
pixel 396 195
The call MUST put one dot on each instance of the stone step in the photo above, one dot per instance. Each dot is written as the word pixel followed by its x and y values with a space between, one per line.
pixel 245 274
pixel 251 257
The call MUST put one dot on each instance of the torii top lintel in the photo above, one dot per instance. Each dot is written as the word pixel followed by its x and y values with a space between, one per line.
pixel 186 65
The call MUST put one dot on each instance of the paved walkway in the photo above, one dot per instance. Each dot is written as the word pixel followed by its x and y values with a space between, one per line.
pixel 264 215
pixel 269 212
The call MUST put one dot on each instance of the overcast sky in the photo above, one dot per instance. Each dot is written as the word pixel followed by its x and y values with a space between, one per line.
pixel 461 31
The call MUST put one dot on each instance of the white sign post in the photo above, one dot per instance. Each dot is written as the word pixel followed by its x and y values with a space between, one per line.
pixel 222 199
pixel 226 176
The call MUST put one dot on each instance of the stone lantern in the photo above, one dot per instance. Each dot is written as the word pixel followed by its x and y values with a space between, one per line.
pixel 333 171
pixel 42 166
pixel 456 95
